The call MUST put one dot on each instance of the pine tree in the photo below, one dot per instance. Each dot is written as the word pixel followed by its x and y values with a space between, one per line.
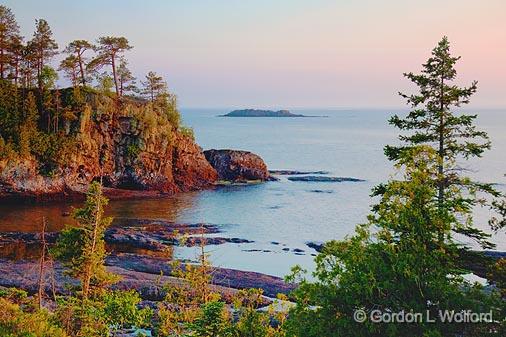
pixel 70 66
pixel 76 49
pixel 29 135
pixel 109 49
pixel 9 34
pixel 154 86
pixel 16 58
pixel 433 121
pixel 125 78
pixel 44 47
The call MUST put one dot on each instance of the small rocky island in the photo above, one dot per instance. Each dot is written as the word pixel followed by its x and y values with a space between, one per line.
pixel 261 113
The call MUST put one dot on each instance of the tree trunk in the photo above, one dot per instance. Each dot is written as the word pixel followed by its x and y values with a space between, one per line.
pixel 113 64
pixel 81 68
pixel 88 269
pixel 441 150
pixel 441 182
pixel 40 66
pixel 41 287
pixel 16 73
pixel 2 63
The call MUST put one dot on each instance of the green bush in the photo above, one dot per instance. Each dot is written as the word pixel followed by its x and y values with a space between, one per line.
pixel 15 322
pixel 187 131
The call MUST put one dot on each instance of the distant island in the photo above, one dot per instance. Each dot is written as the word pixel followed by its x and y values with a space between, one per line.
pixel 261 113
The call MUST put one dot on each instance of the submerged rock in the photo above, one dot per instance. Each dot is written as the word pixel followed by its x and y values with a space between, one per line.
pixel 318 246
pixel 234 165
pixel 150 237
pixel 324 179
pixel 294 172
pixel 321 191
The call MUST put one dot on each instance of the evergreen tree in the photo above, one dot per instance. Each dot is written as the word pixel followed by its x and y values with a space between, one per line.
pixel 28 133
pixel 48 78
pixel 76 49
pixel 125 78
pixel 395 263
pixel 44 48
pixel 109 49
pixel 28 66
pixel 10 114
pixel 154 86
pixel 83 248
pixel 9 35
pixel 433 121
pixel 70 66
pixel 16 58
pixel 212 321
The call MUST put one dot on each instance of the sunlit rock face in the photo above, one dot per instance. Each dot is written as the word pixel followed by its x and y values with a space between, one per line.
pixel 127 145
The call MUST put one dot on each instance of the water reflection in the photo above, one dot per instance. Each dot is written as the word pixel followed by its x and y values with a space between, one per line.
pixel 21 217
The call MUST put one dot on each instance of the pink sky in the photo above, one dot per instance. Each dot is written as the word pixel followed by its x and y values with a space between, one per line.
pixel 290 53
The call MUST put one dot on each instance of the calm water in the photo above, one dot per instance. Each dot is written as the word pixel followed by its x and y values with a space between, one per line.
pixel 347 143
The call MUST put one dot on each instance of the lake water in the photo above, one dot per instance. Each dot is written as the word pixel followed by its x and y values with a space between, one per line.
pixel 285 214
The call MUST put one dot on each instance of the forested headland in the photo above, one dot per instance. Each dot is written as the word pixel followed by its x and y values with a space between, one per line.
pixel 105 126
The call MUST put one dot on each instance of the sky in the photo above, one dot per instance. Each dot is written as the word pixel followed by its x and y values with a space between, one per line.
pixel 289 53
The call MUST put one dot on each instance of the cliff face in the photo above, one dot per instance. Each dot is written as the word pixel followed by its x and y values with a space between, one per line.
pixel 134 145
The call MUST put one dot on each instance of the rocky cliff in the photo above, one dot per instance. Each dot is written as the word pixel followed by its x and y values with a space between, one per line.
pixel 130 144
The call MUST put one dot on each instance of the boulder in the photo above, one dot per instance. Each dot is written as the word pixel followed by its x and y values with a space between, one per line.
pixel 234 165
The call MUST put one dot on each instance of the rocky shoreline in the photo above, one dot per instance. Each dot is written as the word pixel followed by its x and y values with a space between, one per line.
pixel 139 251
pixel 20 182
pixel 146 274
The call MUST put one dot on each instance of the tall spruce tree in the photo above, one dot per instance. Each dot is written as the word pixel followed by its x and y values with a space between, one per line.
pixel 9 34
pixel 396 263
pixel 434 121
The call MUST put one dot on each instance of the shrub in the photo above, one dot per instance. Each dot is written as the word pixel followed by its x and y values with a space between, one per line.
pixel 187 131
pixel 14 322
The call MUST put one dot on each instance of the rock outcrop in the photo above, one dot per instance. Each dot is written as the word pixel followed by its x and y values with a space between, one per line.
pixel 295 172
pixel 128 145
pixel 234 165
pixel 324 179
pixel 143 273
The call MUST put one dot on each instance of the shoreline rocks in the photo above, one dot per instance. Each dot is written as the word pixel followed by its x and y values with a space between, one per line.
pixel 139 251
pixel 237 166
pixel 145 274
pixel 324 179
pixel 150 238
pixel 295 172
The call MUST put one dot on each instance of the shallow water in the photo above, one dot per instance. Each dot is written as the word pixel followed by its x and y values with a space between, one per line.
pixel 347 143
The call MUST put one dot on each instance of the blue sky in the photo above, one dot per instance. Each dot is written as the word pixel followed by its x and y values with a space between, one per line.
pixel 288 53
